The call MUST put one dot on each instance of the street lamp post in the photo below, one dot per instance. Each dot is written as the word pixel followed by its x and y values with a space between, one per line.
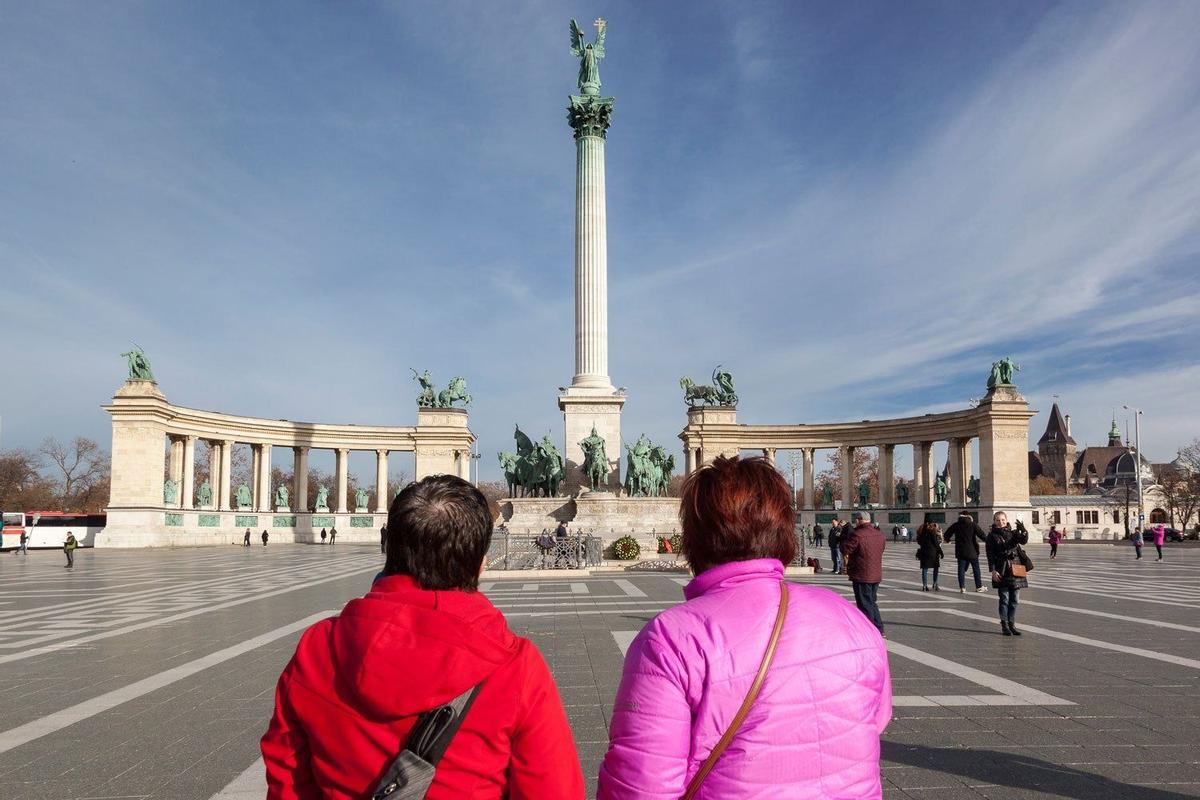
pixel 1137 460
pixel 475 457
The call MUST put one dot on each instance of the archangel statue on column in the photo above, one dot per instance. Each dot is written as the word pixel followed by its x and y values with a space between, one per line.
pixel 589 55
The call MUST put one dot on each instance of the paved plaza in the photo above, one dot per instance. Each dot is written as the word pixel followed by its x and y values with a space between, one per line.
pixel 151 673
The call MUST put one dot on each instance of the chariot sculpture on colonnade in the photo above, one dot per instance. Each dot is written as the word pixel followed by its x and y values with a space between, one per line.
pixel 720 393
pixel 429 397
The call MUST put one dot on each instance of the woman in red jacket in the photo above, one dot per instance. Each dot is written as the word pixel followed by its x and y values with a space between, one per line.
pixel 422 636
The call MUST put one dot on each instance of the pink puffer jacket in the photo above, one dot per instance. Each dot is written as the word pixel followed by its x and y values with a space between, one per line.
pixel 814 731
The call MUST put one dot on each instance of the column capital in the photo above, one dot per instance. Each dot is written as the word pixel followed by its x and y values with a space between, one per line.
pixel 300 448
pixel 589 115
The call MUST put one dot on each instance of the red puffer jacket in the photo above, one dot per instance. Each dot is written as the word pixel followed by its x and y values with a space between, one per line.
pixel 347 700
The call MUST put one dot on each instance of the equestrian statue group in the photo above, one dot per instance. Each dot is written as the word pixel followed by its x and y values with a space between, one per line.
pixel 535 470
pixel 455 392
pixel 720 393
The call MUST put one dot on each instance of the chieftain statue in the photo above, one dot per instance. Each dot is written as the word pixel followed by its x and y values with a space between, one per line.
pixel 595 460
pixel 901 493
pixel 827 496
pixel 648 469
pixel 281 496
pixel 720 393
pixel 170 492
pixel 360 499
pixel 139 365
pixel 940 491
pixel 242 498
pixel 535 469
pixel 1002 372
pixel 204 495
pixel 455 391
pixel 322 498
pixel 864 494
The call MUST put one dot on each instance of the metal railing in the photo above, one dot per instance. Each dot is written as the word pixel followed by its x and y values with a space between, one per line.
pixel 513 551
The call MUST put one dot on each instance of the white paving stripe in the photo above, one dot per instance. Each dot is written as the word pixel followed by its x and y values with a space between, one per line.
pixel 1070 637
pixel 628 588
pixel 250 785
pixel 1011 692
pixel 52 723
pixel 52 648
pixel 1108 615
pixel 579 588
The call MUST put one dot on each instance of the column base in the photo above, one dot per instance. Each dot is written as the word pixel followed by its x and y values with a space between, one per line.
pixel 582 409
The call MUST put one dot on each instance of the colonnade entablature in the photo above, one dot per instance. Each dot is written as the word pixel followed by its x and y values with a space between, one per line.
pixel 998 425
pixel 145 489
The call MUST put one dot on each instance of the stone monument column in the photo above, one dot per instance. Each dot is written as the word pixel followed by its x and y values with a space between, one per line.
pixel 849 490
pixel 226 475
pixel 885 475
pixel 381 481
pixel 343 473
pixel 809 484
pixel 590 400
pixel 263 477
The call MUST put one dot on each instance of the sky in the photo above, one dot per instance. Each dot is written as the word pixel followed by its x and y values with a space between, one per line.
pixel 854 207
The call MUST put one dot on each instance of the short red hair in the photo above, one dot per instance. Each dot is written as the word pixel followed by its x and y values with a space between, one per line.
pixel 736 509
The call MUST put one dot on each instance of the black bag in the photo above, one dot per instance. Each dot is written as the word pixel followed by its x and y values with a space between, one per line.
pixel 411 774
pixel 1024 558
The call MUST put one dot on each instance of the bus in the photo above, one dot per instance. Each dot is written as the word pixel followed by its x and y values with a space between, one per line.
pixel 48 529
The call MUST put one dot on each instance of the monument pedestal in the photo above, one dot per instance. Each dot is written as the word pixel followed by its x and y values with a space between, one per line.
pixel 583 408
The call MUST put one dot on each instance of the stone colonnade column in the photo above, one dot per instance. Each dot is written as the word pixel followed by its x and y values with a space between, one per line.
pixel 343 458
pixel 255 472
pixel 958 480
pixel 176 461
pixel 689 458
pixel 922 474
pixel 189 472
pixel 769 455
pixel 886 475
pixel 968 469
pixel 263 478
pixel 300 475
pixel 381 481
pixel 847 476
pixel 226 476
pixel 214 470
pixel 808 478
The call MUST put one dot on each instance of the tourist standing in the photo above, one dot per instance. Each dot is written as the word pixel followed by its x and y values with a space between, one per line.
pixel 966 535
pixel 246 538
pixel 383 538
pixel 560 544
pixel 905 534
pixel 693 666
pixel 1003 545
pixel 835 546
pixel 1138 541
pixel 1054 538
pixel 69 548
pixel 422 636
pixel 929 553
pixel 333 536
pixel 862 549
pixel 818 534
pixel 264 537
pixel 24 543
pixel 1160 534
pixel 323 535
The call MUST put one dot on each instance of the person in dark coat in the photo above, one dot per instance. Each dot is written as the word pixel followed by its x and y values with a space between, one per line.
pixel 246 538
pixel 383 538
pixel 265 537
pixel 1002 544
pixel 333 536
pixel 69 548
pixel 929 553
pixel 818 534
pixel 862 548
pixel 965 533
pixel 835 546
pixel 323 535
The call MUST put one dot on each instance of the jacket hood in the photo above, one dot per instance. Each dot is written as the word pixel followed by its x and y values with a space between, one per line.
pixel 402 650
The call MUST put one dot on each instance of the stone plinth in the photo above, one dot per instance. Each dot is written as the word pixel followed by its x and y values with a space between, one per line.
pixel 711 431
pixel 597 514
pixel 582 409
pixel 443 446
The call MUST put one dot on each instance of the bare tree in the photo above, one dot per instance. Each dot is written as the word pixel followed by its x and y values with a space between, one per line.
pixel 22 486
pixel 1044 485
pixel 865 465
pixel 83 466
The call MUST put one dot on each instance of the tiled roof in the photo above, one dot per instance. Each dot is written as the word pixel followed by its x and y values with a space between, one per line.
pixel 1059 500
pixel 1056 428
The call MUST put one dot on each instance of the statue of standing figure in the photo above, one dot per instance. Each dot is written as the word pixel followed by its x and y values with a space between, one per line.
pixel 901 493
pixel 170 492
pixel 360 499
pixel 243 498
pixel 827 496
pixel 204 495
pixel 940 491
pixel 322 498
pixel 1002 372
pixel 139 365
pixel 589 56
pixel 973 491
pixel 864 494
pixel 595 460
pixel 281 496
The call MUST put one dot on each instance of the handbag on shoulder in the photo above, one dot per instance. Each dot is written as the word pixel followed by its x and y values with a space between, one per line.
pixel 412 773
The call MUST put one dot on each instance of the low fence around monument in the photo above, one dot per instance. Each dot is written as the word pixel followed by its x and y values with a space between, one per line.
pixel 514 552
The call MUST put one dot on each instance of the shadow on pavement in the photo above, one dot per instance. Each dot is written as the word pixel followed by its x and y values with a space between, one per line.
pixel 1020 772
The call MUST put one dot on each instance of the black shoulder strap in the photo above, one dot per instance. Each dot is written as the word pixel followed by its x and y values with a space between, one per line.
pixel 435 729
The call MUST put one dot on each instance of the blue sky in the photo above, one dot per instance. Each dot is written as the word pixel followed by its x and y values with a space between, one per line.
pixel 854 207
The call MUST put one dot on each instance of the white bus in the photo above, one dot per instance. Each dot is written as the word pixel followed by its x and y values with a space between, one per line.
pixel 48 529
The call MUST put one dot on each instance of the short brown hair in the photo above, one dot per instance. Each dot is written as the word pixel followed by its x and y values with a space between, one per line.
pixel 736 509
pixel 438 531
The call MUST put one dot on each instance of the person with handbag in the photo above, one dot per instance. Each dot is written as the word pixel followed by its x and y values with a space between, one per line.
pixel 1009 567
pixel 753 686
pixel 353 707
pixel 1138 542
pixel 929 553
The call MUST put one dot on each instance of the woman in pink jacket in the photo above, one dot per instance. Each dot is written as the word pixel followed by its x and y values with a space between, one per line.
pixel 1160 533
pixel 813 729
